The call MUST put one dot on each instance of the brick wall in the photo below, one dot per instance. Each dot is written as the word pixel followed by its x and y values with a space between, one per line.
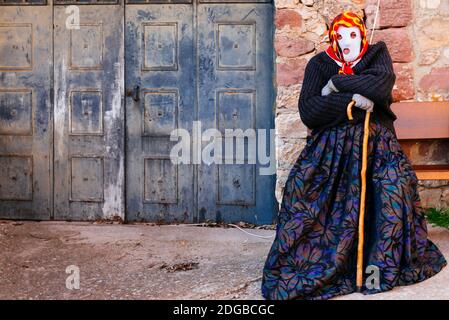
pixel 417 35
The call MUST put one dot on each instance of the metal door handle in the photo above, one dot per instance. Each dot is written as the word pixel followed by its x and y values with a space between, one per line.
pixel 134 93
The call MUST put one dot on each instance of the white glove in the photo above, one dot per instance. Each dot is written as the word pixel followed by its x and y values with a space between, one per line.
pixel 362 102
pixel 328 88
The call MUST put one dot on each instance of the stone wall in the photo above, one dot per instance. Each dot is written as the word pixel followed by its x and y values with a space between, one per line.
pixel 417 35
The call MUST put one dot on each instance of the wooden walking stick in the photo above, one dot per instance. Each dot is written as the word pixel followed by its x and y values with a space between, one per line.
pixel 361 234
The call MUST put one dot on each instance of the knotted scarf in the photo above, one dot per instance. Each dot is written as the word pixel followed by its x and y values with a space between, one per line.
pixel 347 19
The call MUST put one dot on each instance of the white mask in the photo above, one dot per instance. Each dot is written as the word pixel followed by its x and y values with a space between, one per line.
pixel 350 41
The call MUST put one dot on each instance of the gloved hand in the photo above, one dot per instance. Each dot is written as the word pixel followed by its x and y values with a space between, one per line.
pixel 362 102
pixel 328 88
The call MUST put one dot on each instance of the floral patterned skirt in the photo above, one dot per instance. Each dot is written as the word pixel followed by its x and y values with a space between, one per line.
pixel 313 255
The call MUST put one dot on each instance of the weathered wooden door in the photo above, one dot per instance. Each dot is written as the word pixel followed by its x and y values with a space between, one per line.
pixel 235 71
pixel 196 61
pixel 25 109
pixel 88 111
pixel 160 86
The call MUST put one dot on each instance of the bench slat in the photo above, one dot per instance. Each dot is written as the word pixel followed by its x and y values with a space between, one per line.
pixel 421 120
pixel 432 175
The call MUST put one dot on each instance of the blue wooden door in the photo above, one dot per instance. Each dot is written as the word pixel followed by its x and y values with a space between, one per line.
pixel 235 53
pixel 160 97
pixel 25 109
pixel 204 61
pixel 89 112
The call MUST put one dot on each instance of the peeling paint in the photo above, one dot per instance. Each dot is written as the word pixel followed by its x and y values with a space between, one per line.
pixel 113 193
pixel 60 108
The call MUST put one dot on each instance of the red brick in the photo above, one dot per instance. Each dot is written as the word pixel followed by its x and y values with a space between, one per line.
pixel 398 43
pixel 289 47
pixel 403 88
pixel 392 13
pixel 287 18
pixel 437 79
pixel 290 72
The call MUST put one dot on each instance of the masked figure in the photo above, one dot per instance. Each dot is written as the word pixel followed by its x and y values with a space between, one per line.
pixel 314 253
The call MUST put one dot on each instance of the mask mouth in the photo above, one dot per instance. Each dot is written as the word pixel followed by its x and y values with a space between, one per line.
pixel 346 51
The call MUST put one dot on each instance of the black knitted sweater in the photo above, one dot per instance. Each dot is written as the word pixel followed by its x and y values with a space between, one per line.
pixel 373 78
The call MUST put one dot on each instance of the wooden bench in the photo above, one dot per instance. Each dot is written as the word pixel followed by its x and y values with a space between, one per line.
pixel 419 122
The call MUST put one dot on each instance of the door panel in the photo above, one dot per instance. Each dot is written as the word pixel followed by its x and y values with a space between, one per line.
pixel 235 92
pixel 89 113
pixel 160 82
pixel 25 110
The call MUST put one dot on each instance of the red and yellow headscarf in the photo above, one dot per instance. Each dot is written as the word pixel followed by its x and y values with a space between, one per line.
pixel 347 19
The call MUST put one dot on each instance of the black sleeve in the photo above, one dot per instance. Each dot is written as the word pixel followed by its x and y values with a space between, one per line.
pixel 375 82
pixel 316 110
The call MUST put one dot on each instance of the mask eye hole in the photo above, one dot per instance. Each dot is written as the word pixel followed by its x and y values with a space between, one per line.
pixel 339 36
pixel 353 35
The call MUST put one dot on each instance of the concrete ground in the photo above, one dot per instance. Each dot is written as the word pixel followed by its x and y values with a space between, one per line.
pixel 144 261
